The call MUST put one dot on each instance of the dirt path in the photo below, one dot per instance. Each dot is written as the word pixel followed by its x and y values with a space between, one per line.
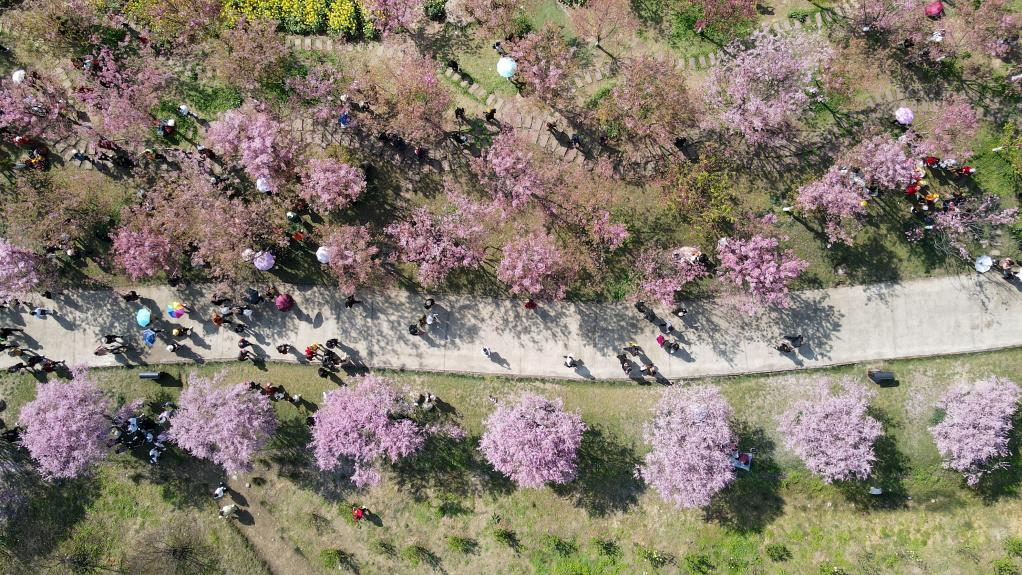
pixel 258 526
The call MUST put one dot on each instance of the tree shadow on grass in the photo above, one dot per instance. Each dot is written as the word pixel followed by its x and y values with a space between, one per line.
pixel 450 466
pixel 606 480
pixel 1007 480
pixel 889 470
pixel 289 450
pixel 753 500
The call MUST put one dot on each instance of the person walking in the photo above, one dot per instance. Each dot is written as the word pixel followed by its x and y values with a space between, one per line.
pixel 220 491
pixel 50 366
pixel 632 348
pixel 6 332
pixel 680 312
pixel 784 347
pixel 332 343
pixel 650 370
pixel 570 362
pixel 172 347
pixel 111 338
pixel 284 348
pixel 350 301
pixel 414 330
pixel 181 331
pixel 487 352
pixel 130 296
pixel 243 343
pixel 246 355
pixel 432 318
pixel 796 340
pixel 41 312
pixel 422 321
pixel 428 303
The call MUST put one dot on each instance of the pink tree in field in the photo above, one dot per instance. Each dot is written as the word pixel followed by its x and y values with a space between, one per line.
pixel 533 441
pixel 144 253
pixel 948 135
pixel 974 431
pixel 439 242
pixel 19 270
pixel 121 90
pixel 722 13
pixel 330 184
pixel 321 91
pixel 840 200
pixel 227 425
pixel 36 107
pixel 244 52
pixel 65 425
pixel 760 92
pixel 365 422
pixel 760 268
pixel 968 222
pixel 692 444
pixel 546 64
pixel 883 162
pixel 496 18
pixel 393 15
pixel 351 256
pixel 508 170
pixel 663 273
pixel 601 20
pixel 864 17
pixel 406 98
pixel 832 433
pixel 257 140
pixel 534 265
pixel 649 106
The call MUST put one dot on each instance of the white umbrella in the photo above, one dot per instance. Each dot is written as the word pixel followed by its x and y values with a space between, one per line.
pixel 263 185
pixel 247 254
pixel 506 67
pixel 18 76
pixel 263 261
pixel 904 116
pixel 984 263
pixel 323 255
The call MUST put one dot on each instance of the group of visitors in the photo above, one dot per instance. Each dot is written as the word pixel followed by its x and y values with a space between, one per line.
pixel 140 431
pixel 28 359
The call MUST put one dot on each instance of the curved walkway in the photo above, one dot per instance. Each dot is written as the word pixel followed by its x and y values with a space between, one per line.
pixel 842 325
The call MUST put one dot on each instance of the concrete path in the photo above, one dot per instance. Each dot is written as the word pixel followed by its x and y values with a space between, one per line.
pixel 842 325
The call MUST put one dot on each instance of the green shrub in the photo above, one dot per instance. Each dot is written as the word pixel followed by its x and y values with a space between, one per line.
pixel 381 546
pixel 801 14
pixel 698 564
pixel 464 545
pixel 1005 566
pixel 435 10
pixel 605 547
pixel 558 546
pixel 656 559
pixel 338 559
pixel 211 100
pixel 520 24
pixel 778 552
pixel 829 569
pixel 1013 546
pixel 508 538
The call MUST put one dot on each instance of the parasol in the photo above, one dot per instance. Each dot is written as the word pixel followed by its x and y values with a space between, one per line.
pixel 284 302
pixel 263 261
pixel 984 263
pixel 323 255
pixel 904 116
pixel 149 337
pixel 263 185
pixel 934 9
pixel 506 67
pixel 143 316
pixel 175 310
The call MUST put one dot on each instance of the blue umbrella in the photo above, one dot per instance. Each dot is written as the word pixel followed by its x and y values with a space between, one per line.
pixel 149 337
pixel 143 316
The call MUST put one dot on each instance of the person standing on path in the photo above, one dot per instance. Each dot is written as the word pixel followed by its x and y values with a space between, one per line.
pixel 570 362
pixel 283 348
pixel 6 332
pixel 111 338
pixel 220 491
pixel 414 330
pixel 172 347
pixel 350 301
pixel 432 319
pixel 130 296
pixel 243 343
pixel 487 352
pixel 41 312
pixel 428 303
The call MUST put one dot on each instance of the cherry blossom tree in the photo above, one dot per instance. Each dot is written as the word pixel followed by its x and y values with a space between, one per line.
pixel 20 270
pixel 257 140
pixel 975 426
pixel 648 107
pixel 37 107
pixel 65 425
pixel 949 133
pixel 144 253
pixel 692 443
pixel 441 241
pixel 406 98
pixel 509 171
pixel 227 425
pixel 533 441
pixel 663 273
pixel 533 264
pixel 883 162
pixel 840 200
pixel 832 432
pixel 969 221
pixel 331 184
pixel 602 20
pixel 322 91
pixel 546 64
pixel 365 422
pixel 392 15
pixel 760 92
pixel 760 268
pixel 351 256
pixel 496 18
pixel 243 53
pixel 866 17
pixel 720 14
pixel 121 89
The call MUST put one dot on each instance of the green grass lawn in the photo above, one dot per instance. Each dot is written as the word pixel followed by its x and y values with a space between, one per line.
pixel 446 510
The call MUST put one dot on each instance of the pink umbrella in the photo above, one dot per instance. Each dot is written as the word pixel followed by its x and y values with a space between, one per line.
pixel 263 261
pixel 904 116
pixel 934 9
pixel 284 302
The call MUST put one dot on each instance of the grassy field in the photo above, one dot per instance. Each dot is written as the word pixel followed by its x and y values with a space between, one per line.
pixel 446 511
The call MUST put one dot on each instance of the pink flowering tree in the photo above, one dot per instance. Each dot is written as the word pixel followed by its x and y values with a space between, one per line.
pixel 37 107
pixel 406 98
pixel 883 162
pixel 648 107
pixel 121 90
pixel 949 134
pixel 244 52
pixel 330 184
pixel 663 273
pixel 720 15
pixel 496 18
pixel 546 64
pixel 840 200
pixel 876 17
pixel 967 222
pixel 832 432
pixel 602 20
pixel 65 425
pixel 760 268
pixel 20 270
pixel 365 423
pixel 227 425
pixel 760 92
pixel 257 140
pixel 692 442
pixel 509 171
pixel 321 91
pixel 533 441
pixel 393 15
pixel 533 264
pixel 442 241
pixel 975 426
pixel 351 256
pixel 144 253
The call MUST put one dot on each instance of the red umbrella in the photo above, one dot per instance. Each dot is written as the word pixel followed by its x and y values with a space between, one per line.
pixel 934 9
pixel 284 302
